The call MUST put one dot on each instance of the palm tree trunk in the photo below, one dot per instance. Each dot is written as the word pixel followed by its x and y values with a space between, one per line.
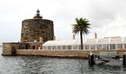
pixel 81 37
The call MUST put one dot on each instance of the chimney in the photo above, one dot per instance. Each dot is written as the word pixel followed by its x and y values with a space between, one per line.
pixel 54 37
pixel 95 35
pixel 40 39
pixel 73 37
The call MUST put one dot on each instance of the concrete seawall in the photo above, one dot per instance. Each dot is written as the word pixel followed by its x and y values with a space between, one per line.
pixel 54 53
pixel 58 53
pixel 65 53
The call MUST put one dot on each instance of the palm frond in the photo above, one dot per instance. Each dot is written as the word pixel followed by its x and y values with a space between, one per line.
pixel 82 25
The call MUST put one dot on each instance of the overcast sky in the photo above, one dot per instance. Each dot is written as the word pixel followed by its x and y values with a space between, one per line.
pixel 107 17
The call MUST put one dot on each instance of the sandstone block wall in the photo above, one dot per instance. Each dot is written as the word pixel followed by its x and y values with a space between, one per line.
pixel 8 48
pixel 33 29
pixel 54 53
pixel 61 53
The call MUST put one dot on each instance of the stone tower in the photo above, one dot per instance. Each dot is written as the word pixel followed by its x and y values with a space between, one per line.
pixel 36 28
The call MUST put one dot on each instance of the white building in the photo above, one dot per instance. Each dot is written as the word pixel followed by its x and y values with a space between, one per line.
pixel 88 44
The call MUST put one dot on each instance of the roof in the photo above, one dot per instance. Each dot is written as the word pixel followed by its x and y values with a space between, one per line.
pixel 103 40
pixel 107 40
pixel 90 41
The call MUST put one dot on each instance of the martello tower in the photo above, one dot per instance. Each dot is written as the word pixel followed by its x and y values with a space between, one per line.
pixel 36 28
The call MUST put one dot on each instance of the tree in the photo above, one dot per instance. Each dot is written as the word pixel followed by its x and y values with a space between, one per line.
pixel 82 26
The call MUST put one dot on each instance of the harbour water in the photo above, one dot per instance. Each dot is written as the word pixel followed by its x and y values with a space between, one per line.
pixel 46 65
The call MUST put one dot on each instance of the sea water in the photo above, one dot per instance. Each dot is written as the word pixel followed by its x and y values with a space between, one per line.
pixel 46 65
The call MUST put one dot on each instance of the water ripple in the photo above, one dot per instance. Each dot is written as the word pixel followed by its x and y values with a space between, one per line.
pixel 45 65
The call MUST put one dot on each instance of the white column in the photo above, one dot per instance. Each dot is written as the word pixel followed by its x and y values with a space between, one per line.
pixel 66 47
pixel 77 47
pixel 109 46
pixel 46 47
pixel 102 47
pixel 61 47
pixel 116 46
pixel 89 47
pixel 71 47
pixel 95 46
pixel 123 46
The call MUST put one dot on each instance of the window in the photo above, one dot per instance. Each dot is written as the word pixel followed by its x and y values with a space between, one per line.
pixel 92 46
pixel 74 46
pixel 33 47
pixel 59 47
pixel 79 46
pixel 99 46
pixel 63 47
pixel 27 47
pixel 53 47
pixel 105 46
pixel 119 46
pixel 86 47
pixel 69 47
pixel 49 47
pixel 112 46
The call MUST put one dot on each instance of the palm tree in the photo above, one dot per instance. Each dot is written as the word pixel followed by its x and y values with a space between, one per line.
pixel 81 27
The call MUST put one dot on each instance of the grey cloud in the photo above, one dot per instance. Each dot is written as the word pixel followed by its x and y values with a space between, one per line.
pixel 100 13
pixel 104 12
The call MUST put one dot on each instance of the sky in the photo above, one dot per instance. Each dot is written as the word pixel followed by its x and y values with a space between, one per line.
pixel 107 17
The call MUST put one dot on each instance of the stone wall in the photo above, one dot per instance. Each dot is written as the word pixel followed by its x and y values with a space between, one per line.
pixel 62 53
pixel 33 29
pixel 54 53
pixel 10 48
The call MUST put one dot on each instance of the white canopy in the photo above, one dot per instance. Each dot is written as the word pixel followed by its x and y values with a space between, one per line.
pixel 87 41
